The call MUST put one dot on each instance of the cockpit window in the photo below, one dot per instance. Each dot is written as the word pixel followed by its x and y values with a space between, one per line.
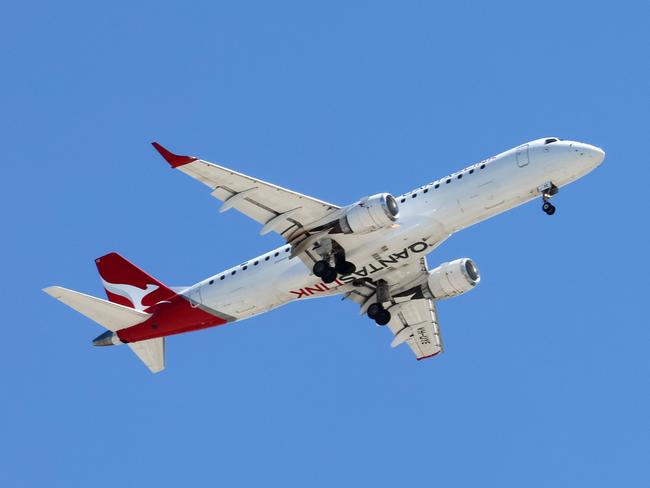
pixel 552 139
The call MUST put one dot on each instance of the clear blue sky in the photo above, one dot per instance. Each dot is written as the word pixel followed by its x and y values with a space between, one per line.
pixel 545 377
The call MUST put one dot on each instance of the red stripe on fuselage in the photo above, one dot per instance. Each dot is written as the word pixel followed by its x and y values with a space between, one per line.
pixel 171 317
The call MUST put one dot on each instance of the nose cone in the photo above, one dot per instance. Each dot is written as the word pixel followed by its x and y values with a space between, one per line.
pixel 586 156
pixel 594 153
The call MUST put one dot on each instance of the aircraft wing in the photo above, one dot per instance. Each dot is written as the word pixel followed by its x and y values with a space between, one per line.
pixel 277 209
pixel 416 322
pixel 414 317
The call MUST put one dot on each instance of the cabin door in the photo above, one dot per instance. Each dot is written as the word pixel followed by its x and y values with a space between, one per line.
pixel 522 156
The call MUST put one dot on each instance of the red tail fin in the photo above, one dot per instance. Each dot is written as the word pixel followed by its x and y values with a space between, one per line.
pixel 128 285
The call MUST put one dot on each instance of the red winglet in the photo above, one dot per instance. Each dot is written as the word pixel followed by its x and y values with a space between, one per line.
pixel 429 356
pixel 174 160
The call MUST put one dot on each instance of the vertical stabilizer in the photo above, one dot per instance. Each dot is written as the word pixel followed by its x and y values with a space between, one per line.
pixel 128 285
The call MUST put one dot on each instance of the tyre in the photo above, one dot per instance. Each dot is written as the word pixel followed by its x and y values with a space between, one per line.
pixel 551 210
pixel 345 267
pixel 374 310
pixel 320 268
pixel 383 318
pixel 329 276
pixel 546 206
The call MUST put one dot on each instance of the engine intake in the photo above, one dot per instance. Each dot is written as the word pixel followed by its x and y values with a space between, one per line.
pixel 370 214
pixel 453 278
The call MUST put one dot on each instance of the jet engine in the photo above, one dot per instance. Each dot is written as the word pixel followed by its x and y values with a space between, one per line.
pixel 453 278
pixel 370 214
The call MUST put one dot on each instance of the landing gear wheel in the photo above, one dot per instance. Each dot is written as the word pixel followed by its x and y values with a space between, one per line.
pixel 374 310
pixel 345 267
pixel 329 276
pixel 548 208
pixel 321 267
pixel 383 318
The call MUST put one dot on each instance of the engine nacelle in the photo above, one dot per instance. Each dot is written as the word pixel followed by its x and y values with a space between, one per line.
pixel 370 214
pixel 454 278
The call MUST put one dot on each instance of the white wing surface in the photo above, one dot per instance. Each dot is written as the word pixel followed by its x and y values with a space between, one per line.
pixel 414 316
pixel 277 209
pixel 416 323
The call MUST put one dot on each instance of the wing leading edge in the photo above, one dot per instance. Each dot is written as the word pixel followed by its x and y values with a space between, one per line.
pixel 279 210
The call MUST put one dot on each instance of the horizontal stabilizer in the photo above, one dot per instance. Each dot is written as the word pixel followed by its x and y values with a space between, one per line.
pixel 110 315
pixel 151 352
pixel 114 317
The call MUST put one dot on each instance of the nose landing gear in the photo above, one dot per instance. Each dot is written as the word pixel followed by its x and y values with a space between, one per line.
pixel 548 207
pixel 548 190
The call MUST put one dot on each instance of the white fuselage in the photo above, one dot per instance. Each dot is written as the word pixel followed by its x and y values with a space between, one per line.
pixel 428 215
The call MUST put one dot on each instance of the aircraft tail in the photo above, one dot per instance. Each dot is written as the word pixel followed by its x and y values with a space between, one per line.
pixel 128 285
pixel 114 317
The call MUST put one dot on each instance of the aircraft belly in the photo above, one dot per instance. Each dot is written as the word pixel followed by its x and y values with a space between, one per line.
pixel 257 291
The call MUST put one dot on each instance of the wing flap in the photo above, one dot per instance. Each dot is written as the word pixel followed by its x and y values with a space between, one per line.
pixel 416 323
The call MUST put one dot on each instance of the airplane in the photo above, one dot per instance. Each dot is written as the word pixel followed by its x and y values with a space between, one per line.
pixel 373 251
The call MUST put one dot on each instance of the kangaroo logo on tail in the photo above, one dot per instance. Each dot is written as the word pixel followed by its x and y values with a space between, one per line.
pixel 132 293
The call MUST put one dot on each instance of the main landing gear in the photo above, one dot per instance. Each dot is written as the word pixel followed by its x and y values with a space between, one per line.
pixel 376 311
pixel 547 193
pixel 328 273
